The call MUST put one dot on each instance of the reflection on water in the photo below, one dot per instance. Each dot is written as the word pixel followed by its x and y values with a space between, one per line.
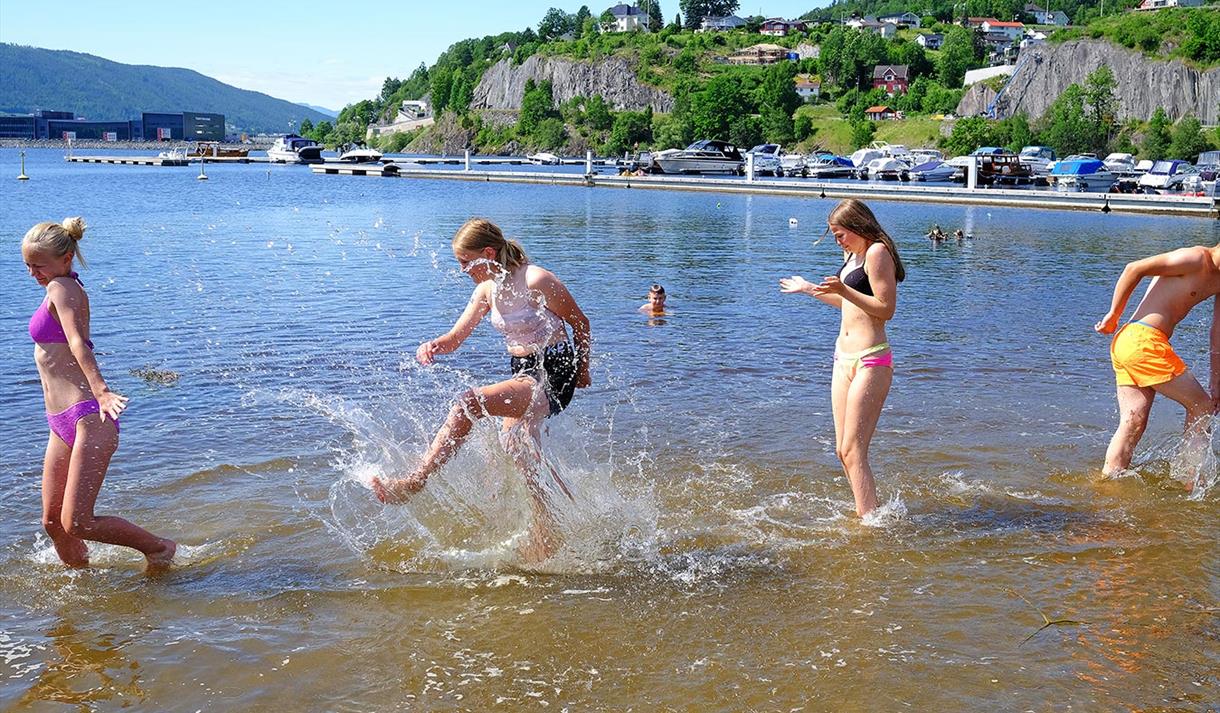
pixel 712 556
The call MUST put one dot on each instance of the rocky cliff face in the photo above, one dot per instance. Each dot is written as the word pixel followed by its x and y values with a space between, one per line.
pixel 1143 85
pixel 976 100
pixel 503 85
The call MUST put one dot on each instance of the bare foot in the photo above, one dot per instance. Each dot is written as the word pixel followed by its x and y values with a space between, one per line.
pixel 73 552
pixel 160 560
pixel 396 491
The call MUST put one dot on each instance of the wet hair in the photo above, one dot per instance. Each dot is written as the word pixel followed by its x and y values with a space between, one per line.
pixel 855 216
pixel 58 239
pixel 478 233
pixel 656 289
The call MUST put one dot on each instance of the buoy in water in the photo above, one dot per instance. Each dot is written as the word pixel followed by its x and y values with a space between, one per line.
pixel 792 222
pixel 22 176
pixel 202 176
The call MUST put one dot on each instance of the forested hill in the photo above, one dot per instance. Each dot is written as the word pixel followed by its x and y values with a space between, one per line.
pixel 99 89
pixel 1078 11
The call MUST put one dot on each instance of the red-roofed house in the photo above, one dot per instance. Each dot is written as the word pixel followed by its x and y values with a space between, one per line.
pixel 893 78
pixel 778 27
pixel 975 23
pixel 1014 30
pixel 880 113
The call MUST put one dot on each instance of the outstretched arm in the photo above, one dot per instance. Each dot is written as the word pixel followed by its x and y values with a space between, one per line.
pixel 69 302
pixel 561 302
pixel 451 340
pixel 799 285
pixel 1176 262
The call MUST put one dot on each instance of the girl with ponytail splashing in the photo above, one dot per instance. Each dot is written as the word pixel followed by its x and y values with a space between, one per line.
pixel 532 309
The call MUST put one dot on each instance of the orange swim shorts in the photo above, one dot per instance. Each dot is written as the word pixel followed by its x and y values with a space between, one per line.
pixel 1142 356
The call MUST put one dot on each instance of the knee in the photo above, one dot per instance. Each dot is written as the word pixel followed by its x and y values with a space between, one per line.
pixel 78 526
pixel 851 454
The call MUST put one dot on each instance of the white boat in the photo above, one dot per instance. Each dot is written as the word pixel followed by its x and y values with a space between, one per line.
pixel 1121 164
pixel 707 156
pixel 1081 174
pixel 828 165
pixel 932 171
pixel 361 155
pixel 1144 166
pixel 1166 175
pixel 176 154
pixel 793 164
pixel 543 158
pixel 766 160
pixel 1038 159
pixel 291 148
pixel 861 157
pixel 885 169
pixel 921 156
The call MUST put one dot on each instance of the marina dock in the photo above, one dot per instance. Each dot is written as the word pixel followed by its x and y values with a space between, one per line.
pixel 1198 206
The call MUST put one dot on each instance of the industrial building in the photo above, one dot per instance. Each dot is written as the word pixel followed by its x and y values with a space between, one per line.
pixel 151 126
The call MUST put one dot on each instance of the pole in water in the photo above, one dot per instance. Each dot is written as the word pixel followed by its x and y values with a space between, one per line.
pixel 22 176
pixel 202 176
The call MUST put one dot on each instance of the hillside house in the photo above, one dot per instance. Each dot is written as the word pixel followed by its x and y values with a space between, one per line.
pixel 626 18
pixel 807 85
pixel 779 27
pixel 1162 4
pixel 1013 30
pixel 906 19
pixel 976 23
pixel 871 24
pixel 1045 17
pixel 930 41
pixel 722 24
pixel 759 54
pixel 880 113
pixel 893 78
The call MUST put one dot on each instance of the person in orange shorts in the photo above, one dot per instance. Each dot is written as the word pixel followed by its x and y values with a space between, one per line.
pixel 1143 359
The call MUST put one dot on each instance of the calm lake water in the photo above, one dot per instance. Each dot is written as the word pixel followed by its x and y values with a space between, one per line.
pixel 713 561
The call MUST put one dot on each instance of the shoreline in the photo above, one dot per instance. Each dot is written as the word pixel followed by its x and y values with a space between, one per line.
pixel 92 144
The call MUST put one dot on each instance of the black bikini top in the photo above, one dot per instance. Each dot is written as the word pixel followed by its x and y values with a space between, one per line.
pixel 857 279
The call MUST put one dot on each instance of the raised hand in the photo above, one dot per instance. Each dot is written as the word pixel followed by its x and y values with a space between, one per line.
pixel 426 353
pixel 795 284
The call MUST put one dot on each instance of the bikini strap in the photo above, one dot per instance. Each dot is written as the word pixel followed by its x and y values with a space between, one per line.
pixel 76 276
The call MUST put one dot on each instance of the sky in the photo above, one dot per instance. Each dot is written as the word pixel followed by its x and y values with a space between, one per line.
pixel 329 54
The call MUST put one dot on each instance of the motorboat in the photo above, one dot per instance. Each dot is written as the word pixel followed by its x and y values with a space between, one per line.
pixel 828 165
pixel 765 158
pixel 1144 166
pixel 1120 164
pixel 999 165
pixel 884 169
pixel 543 158
pixel 361 155
pixel 1166 175
pixel 291 148
pixel 1082 174
pixel 174 154
pixel 932 171
pixel 861 157
pixel 898 151
pixel 214 149
pixel 707 156
pixel 922 156
pixel 793 164
pixel 1039 159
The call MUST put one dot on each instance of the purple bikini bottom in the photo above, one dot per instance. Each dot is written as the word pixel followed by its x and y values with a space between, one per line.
pixel 63 424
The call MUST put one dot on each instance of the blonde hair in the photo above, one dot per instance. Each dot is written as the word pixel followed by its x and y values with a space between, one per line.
pixel 478 233
pixel 58 239
pixel 855 216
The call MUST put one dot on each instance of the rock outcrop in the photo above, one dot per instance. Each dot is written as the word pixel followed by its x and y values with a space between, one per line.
pixel 976 100
pixel 1143 84
pixel 503 85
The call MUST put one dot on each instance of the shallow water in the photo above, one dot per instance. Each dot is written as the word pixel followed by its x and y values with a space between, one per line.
pixel 711 561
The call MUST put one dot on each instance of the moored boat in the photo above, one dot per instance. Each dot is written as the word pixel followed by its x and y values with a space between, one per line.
pixel 1082 174
pixel 361 155
pixel 214 149
pixel 1039 159
pixel 932 171
pixel 707 156
pixel 543 158
pixel 291 148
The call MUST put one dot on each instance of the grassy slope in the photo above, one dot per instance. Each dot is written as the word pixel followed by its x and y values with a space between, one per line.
pixel 832 131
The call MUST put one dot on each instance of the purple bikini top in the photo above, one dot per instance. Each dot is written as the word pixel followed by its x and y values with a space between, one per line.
pixel 45 329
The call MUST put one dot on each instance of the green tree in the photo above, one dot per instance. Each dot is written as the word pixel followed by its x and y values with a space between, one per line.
pixel 1018 131
pixel 631 128
pixel 1157 138
pixel 802 127
pixel 778 88
pixel 911 54
pixel 968 134
pixel 695 10
pixel 597 114
pixel 1101 102
pixel 652 8
pixel 537 104
pixel 862 132
pixel 554 24
pixel 578 21
pixel 441 87
pixel 713 109
pixel 549 134
pixel 956 56
pixel 306 126
pixel 1067 126
pixel 1188 140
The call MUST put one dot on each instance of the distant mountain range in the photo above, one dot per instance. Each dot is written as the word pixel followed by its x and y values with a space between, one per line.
pixel 32 78
pixel 334 113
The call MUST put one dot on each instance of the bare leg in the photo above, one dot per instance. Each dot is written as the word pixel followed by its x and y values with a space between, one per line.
pixel 1196 436
pixel 96 442
pixel 522 440
pixel 865 397
pixel 510 398
pixel 1134 404
pixel 71 550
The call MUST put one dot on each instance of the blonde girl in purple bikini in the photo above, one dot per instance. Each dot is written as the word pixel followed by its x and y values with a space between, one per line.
pixel 82 411
pixel 865 291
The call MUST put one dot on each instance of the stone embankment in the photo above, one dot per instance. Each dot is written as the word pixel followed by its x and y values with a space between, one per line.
pixel 118 145
pixel 503 85
pixel 1143 85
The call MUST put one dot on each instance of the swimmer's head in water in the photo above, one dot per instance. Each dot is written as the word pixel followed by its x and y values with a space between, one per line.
pixel 656 297
pixel 481 238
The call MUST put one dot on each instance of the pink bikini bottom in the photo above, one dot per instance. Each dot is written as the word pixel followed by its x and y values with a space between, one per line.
pixel 63 424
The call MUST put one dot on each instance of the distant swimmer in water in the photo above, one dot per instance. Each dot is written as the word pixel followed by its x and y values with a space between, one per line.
pixel 936 234
pixel 1145 363
pixel 865 290
pixel 961 236
pixel 533 309
pixel 655 306
pixel 82 411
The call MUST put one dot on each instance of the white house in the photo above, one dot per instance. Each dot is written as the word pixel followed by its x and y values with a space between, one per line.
pixel 1045 17
pixel 722 24
pixel 906 19
pixel 931 40
pixel 412 109
pixel 1162 4
pixel 871 24
pixel 1013 30
pixel 807 85
pixel 627 18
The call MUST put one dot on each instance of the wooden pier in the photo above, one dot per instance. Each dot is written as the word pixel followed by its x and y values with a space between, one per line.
pixel 131 160
pixel 1198 206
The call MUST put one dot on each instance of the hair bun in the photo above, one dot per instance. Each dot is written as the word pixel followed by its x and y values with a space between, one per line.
pixel 75 227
